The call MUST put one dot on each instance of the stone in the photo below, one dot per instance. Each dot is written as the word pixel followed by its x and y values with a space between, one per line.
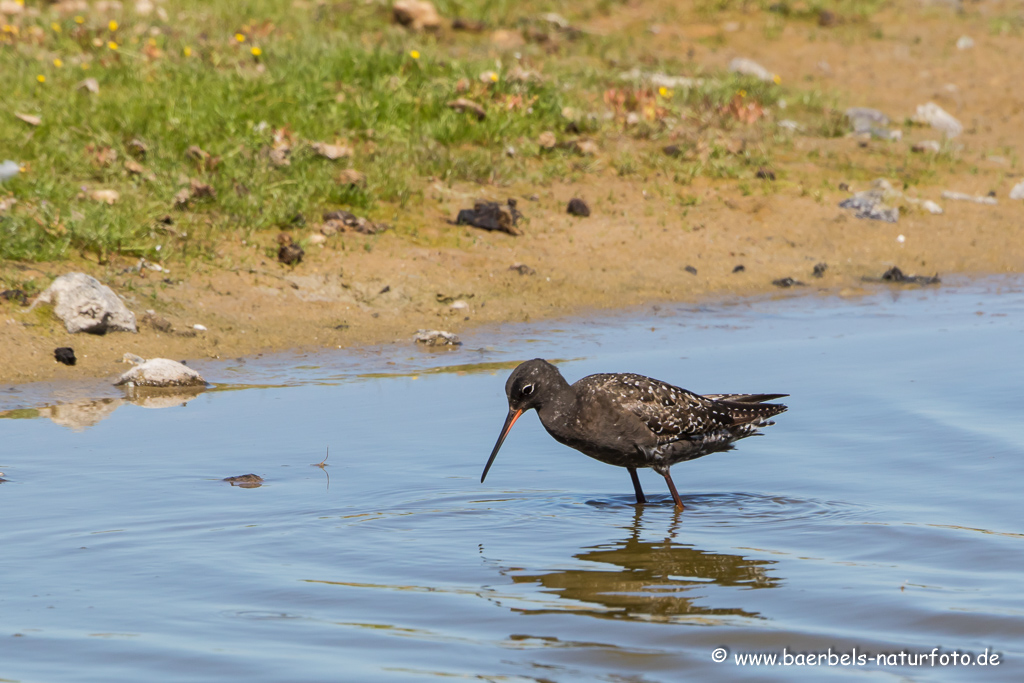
pixel 1018 191
pixel 436 338
pixel 933 115
pixel 748 67
pixel 963 197
pixel 8 170
pixel 84 304
pixel 161 372
pixel 419 15
pixel 65 355
pixel 578 207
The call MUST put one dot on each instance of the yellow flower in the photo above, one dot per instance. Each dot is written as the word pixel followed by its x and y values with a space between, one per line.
pixel 187 51
pixel 79 20
pixel 112 25
pixel 239 37
pixel 777 79
pixel 743 93
pixel 151 42
pixel 664 92
pixel 415 54
pixel 112 45
pixel 55 26
pixel 41 78
pixel 256 52
pixel 85 66
pixel 494 77
pixel 58 63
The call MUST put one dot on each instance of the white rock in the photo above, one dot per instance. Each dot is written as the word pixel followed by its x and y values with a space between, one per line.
pixel 938 118
pixel 161 372
pixel 436 338
pixel 963 197
pixel 748 67
pixel 459 305
pixel 926 146
pixel 84 304
pixel 416 14
pixel 964 43
pixel 931 207
pixel 1018 191
pixel 199 328
pixel 8 170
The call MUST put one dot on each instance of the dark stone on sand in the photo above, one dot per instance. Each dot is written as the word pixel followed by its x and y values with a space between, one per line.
pixel 65 355
pixel 819 269
pixel 739 269
pixel 894 274
pixel 691 270
pixel 787 282
pixel 522 269
pixel 578 207
pixel 765 174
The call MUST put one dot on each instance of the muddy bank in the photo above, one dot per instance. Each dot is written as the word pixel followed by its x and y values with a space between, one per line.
pixel 634 248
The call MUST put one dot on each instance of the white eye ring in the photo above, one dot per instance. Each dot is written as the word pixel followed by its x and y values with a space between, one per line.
pixel 527 390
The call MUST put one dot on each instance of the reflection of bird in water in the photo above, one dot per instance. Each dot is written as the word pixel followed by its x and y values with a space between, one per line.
pixel 632 421
pixel 634 578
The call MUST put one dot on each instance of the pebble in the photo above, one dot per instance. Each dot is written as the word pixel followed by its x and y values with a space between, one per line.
pixel 926 146
pixel 245 481
pixel 964 43
pixel 938 118
pixel 161 372
pixel 65 355
pixel 748 67
pixel 436 338
pixel 418 15
pixel 8 170
pixel 1018 191
pixel 84 304
pixel 578 207
pixel 963 197
pixel 870 204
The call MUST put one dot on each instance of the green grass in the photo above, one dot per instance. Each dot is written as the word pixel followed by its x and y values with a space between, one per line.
pixel 330 73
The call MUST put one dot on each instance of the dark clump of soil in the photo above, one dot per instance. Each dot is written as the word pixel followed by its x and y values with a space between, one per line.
pixel 578 207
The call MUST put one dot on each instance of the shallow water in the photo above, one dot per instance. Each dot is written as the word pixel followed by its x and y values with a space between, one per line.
pixel 881 514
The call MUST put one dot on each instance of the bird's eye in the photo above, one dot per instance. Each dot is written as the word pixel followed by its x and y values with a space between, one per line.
pixel 527 390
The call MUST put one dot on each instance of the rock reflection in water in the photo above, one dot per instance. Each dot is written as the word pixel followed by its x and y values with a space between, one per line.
pixel 645 579
pixel 82 413
pixel 78 415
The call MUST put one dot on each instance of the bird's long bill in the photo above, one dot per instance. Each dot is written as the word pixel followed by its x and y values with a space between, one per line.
pixel 513 415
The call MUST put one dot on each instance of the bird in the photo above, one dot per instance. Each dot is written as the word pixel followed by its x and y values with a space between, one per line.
pixel 632 421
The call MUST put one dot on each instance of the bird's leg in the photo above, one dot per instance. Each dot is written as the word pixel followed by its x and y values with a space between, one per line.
pixel 672 488
pixel 640 500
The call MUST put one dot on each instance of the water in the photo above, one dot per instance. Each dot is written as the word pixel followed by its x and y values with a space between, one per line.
pixel 881 514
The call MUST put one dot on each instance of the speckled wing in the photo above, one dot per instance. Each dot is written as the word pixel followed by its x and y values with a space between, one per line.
pixel 669 412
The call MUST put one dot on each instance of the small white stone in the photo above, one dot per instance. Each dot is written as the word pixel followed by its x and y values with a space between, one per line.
pixel 901 239
pixel 964 43
pixel 198 327
pixel 1018 191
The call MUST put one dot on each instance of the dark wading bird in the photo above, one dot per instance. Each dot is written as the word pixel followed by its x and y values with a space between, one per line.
pixel 632 421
